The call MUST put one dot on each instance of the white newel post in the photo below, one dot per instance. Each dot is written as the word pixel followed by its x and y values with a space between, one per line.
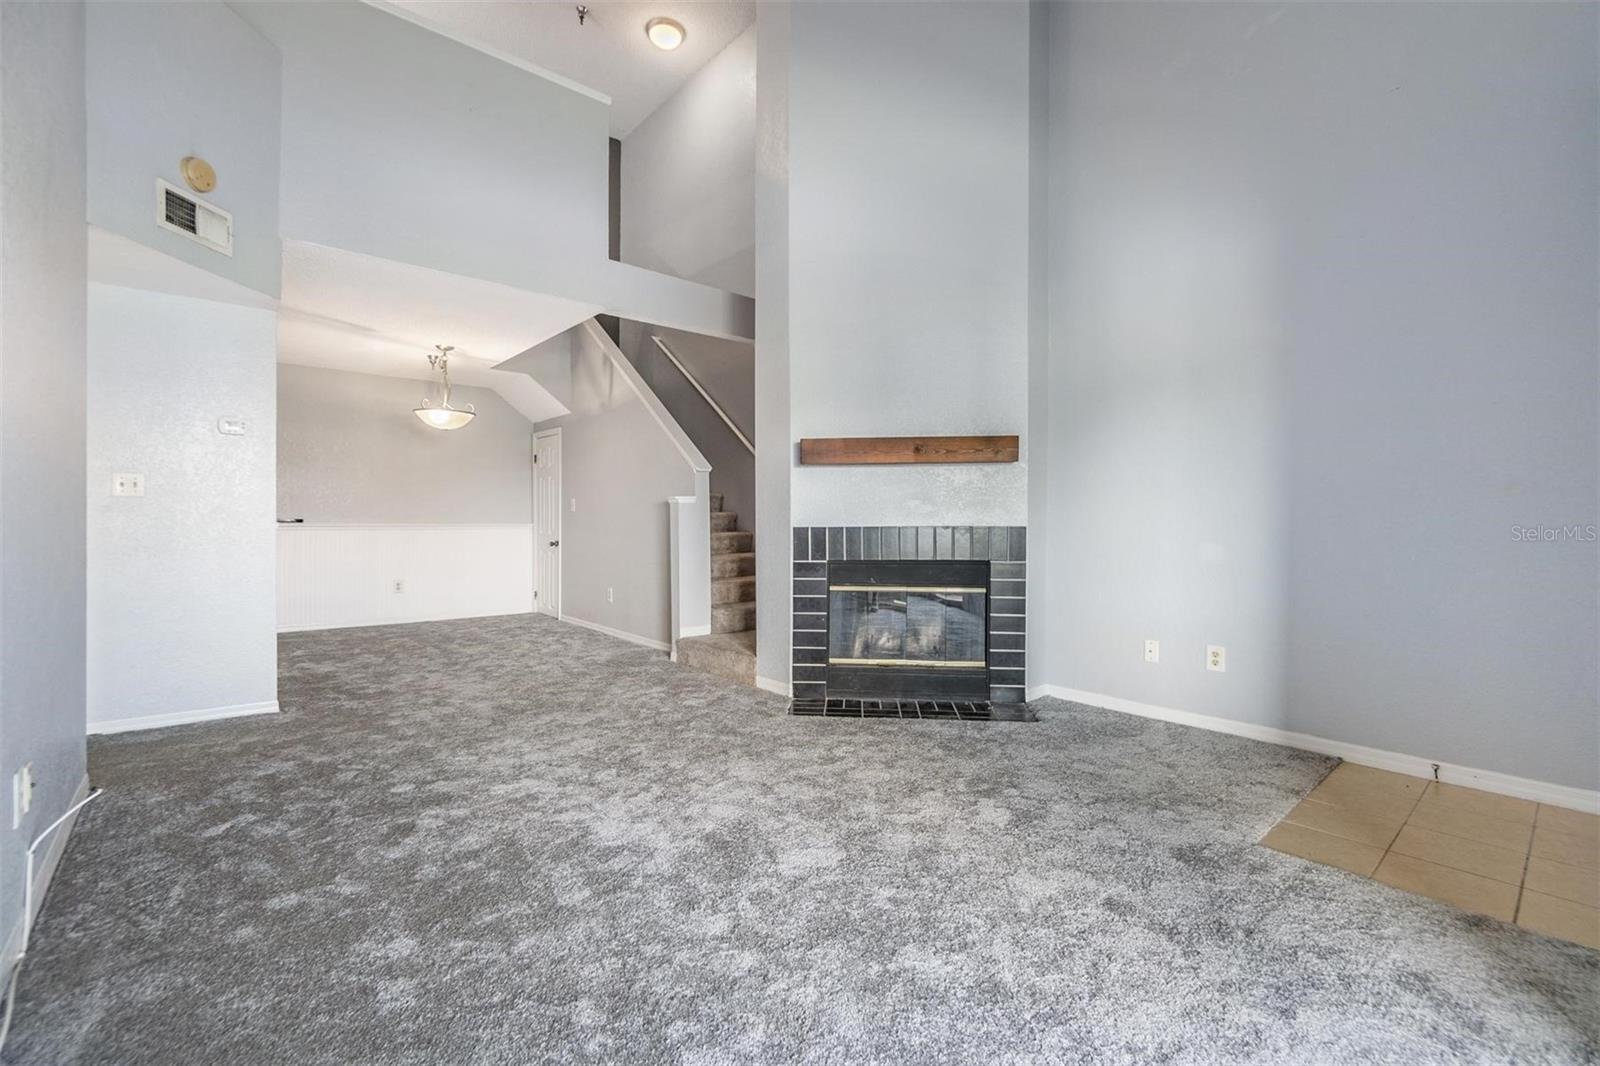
pixel 689 523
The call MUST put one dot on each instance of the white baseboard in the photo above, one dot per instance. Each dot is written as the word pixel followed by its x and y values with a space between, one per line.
pixel 781 688
pixel 631 638
pixel 206 714
pixel 1579 799
pixel 42 874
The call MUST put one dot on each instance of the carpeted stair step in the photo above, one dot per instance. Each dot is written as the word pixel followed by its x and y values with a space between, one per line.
pixel 733 564
pixel 716 501
pixel 729 655
pixel 733 617
pixel 733 589
pixel 724 521
pixel 735 541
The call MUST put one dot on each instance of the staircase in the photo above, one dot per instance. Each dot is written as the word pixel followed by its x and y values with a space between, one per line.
pixel 730 650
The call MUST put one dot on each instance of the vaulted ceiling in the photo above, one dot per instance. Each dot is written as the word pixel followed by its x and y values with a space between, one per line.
pixel 608 53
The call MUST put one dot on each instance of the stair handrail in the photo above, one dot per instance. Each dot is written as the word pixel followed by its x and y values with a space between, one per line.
pixel 715 406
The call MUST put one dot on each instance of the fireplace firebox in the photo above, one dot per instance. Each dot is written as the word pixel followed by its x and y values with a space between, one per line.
pixel 909 629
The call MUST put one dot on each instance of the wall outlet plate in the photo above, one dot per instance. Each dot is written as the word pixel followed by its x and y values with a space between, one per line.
pixel 127 484
pixel 399 585
pixel 1217 658
pixel 1152 651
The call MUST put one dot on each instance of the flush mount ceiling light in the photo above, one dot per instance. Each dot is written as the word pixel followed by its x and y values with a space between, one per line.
pixel 444 416
pixel 666 34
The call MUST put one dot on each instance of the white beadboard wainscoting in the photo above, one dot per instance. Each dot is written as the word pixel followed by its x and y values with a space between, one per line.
pixel 335 576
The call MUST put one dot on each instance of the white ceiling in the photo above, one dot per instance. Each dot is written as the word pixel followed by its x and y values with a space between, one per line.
pixel 608 53
pixel 345 311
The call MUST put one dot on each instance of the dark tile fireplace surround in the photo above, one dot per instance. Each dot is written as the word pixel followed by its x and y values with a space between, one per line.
pixel 934 613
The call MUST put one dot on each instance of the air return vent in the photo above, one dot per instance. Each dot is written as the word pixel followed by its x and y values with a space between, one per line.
pixel 185 213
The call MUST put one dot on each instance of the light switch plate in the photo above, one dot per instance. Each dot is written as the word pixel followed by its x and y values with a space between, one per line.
pixel 21 794
pixel 127 484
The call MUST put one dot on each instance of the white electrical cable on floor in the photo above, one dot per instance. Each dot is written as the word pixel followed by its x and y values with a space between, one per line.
pixel 27 913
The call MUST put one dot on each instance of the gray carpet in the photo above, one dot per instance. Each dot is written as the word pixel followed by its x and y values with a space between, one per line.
pixel 513 841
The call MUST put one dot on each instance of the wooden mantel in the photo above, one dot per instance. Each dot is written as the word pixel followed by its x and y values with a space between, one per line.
pixel 875 451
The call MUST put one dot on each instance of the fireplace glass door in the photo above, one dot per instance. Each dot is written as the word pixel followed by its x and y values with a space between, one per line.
pixel 908 628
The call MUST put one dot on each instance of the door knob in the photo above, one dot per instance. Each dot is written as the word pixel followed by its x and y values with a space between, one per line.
pixel 555 544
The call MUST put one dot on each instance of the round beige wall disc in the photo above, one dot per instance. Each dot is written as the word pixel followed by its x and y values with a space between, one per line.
pixel 198 173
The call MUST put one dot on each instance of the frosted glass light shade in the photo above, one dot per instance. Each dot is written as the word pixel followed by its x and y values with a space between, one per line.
pixel 443 417
pixel 666 34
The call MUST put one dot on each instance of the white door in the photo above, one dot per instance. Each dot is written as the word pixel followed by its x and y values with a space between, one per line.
pixel 547 521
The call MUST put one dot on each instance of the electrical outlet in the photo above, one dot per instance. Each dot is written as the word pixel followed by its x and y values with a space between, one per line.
pixel 1217 658
pixel 611 595
pixel 1152 651
pixel 399 585
pixel 127 484
pixel 574 505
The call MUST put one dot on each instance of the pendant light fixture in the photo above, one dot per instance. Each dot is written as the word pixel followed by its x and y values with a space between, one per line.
pixel 444 416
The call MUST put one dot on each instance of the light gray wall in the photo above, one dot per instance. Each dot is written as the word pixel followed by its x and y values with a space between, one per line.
pixel 182 587
pixel 908 221
pixel 1041 616
pixel 350 452
pixel 147 110
pixel 42 272
pixel 618 469
pixel 726 370
pixel 774 446
pixel 688 176
pixel 1323 282
pixel 403 144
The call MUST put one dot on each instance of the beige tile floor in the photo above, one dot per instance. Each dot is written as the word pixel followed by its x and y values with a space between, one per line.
pixel 1512 859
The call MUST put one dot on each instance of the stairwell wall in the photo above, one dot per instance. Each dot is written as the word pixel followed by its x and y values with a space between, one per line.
pixel 618 470
pixel 726 370
pixel 688 174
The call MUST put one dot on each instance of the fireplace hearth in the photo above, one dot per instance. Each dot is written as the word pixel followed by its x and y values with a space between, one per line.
pixel 931 618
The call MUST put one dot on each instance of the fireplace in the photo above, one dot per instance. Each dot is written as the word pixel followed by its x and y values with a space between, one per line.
pixel 931 617
pixel 909 628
